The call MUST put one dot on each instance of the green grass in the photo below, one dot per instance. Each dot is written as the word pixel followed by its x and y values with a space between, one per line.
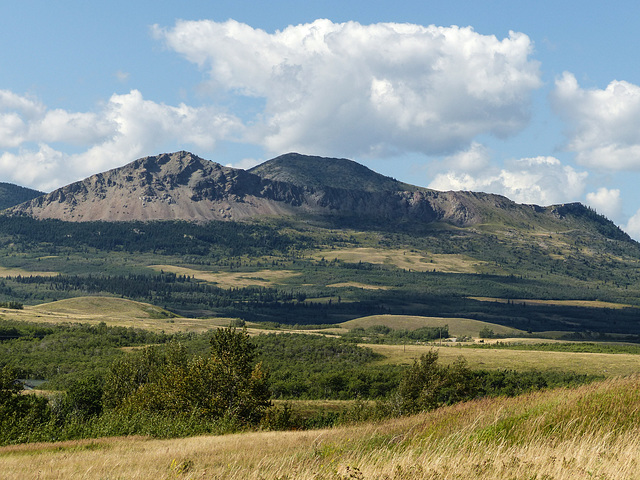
pixel 457 326
pixel 609 365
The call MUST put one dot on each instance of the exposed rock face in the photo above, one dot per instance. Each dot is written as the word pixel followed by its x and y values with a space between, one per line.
pixel 177 186
pixel 182 186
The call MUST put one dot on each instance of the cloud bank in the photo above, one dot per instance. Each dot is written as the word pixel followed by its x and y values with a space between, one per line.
pixel 373 90
pixel 124 128
pixel 606 202
pixel 603 124
pixel 539 180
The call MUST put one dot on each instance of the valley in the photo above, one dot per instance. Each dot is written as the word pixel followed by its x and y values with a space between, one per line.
pixel 344 281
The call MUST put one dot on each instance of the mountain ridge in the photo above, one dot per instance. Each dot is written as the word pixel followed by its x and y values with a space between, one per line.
pixel 11 194
pixel 183 186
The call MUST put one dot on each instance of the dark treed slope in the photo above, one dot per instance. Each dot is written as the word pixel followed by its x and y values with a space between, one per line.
pixel 318 173
pixel 182 186
pixel 11 195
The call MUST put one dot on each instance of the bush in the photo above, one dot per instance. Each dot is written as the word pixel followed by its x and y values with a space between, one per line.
pixel 428 385
pixel 20 415
pixel 168 380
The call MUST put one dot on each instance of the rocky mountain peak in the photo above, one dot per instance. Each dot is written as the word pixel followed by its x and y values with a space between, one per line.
pixel 183 186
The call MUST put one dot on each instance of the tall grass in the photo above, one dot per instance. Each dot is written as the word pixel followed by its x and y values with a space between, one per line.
pixel 590 432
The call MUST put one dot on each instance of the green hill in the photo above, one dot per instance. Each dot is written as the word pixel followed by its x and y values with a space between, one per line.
pixel 320 172
pixel 11 195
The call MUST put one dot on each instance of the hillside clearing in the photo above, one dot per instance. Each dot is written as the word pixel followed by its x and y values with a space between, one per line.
pixel 14 272
pixel 363 286
pixel 405 259
pixel 561 303
pixel 457 326
pixel 117 312
pixel 261 278
pixel 588 432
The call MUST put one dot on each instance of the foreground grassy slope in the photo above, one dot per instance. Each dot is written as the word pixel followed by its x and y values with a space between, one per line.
pixel 589 432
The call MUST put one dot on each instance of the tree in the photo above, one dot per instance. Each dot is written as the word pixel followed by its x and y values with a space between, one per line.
pixel 486 332
pixel 227 383
pixel 428 385
pixel 241 388
pixel 10 389
pixel 84 396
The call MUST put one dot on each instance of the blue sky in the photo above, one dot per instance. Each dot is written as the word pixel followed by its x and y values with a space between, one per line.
pixel 538 101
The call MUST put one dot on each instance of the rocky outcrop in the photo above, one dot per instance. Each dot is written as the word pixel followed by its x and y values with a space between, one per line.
pixel 182 186
pixel 177 186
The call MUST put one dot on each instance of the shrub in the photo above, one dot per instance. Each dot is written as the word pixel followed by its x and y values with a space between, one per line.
pixel 227 383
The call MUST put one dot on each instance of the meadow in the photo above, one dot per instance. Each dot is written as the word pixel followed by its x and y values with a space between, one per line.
pixel 115 312
pixel 118 312
pixel 588 432
pixel 608 365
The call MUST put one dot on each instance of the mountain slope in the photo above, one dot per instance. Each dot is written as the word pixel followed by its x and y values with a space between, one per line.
pixel 11 195
pixel 317 173
pixel 178 186
pixel 182 186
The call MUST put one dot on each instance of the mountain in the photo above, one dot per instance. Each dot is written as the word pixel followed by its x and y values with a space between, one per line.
pixel 177 186
pixel 11 195
pixel 183 186
pixel 315 173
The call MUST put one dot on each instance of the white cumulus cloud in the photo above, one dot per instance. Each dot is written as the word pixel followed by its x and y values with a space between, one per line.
pixel 352 89
pixel 606 202
pixel 124 128
pixel 538 180
pixel 633 226
pixel 477 157
pixel 603 124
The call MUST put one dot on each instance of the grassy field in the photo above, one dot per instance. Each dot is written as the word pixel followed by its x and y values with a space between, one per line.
pixel 262 278
pixel 562 303
pixel 609 365
pixel 14 272
pixel 457 326
pixel 127 313
pixel 363 286
pixel 112 311
pixel 589 432
pixel 406 259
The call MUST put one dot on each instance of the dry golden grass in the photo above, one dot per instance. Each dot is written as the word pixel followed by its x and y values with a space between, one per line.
pixel 113 312
pixel 262 278
pixel 590 432
pixel 565 303
pixel 364 286
pixel 457 326
pixel 120 312
pixel 607 364
pixel 13 272
pixel 401 258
